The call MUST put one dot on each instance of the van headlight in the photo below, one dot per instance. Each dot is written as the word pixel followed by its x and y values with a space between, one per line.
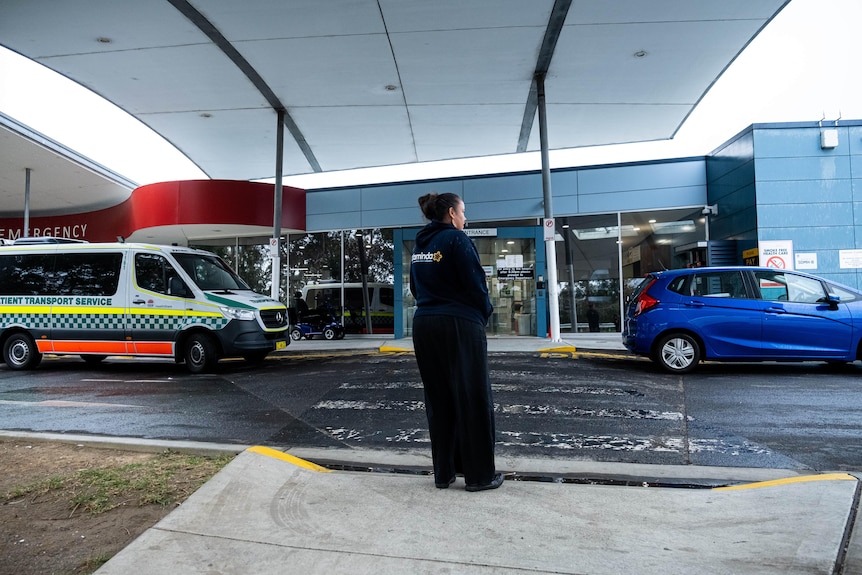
pixel 236 313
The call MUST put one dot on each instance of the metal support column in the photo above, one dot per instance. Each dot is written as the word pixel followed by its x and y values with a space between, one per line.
pixel 26 232
pixel 550 245
pixel 276 218
pixel 570 268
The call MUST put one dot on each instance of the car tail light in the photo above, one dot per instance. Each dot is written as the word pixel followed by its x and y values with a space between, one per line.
pixel 645 301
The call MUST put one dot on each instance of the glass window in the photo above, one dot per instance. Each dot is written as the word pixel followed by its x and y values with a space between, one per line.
pixel 841 293
pixel 87 273
pixel 387 296
pixel 779 286
pixel 210 272
pixel 25 274
pixel 678 285
pixel 803 289
pixel 715 284
pixel 588 271
pixel 151 272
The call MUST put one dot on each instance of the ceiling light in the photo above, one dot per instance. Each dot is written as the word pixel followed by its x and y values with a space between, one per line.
pixel 603 233
pixel 673 227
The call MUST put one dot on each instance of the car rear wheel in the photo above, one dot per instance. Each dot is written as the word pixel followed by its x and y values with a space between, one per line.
pixel 677 353
pixel 296 334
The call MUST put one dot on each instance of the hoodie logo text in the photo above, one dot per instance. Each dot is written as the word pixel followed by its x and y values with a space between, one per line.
pixel 435 257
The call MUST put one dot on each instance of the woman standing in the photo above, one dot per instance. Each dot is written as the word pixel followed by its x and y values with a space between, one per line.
pixel 452 308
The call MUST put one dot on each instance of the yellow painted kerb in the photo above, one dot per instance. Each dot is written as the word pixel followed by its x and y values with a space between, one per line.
pixel 274 453
pixel 393 349
pixel 789 480
pixel 558 349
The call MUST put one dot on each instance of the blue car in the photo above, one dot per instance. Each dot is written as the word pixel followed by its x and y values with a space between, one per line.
pixel 680 317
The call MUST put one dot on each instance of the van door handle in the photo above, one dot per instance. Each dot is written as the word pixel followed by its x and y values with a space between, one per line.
pixel 139 301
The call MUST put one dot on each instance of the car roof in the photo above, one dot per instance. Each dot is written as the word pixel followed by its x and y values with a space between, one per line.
pixel 687 271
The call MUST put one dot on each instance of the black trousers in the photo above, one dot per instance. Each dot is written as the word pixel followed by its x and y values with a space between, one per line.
pixel 452 354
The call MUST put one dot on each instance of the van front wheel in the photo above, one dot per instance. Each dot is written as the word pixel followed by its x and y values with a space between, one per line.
pixel 20 352
pixel 201 355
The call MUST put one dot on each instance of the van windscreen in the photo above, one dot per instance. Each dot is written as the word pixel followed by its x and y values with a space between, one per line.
pixel 210 273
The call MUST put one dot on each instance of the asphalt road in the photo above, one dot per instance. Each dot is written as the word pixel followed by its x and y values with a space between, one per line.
pixel 599 407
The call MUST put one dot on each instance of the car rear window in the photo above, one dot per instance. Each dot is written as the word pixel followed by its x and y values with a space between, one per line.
pixel 641 286
pixel 729 284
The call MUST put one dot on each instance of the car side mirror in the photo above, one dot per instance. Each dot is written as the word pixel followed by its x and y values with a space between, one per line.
pixel 831 300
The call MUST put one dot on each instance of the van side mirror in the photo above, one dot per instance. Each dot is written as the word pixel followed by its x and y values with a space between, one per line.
pixel 176 287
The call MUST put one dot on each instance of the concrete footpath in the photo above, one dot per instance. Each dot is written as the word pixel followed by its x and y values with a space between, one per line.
pixel 274 512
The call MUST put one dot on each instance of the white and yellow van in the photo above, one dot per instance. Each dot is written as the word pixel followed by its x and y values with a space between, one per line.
pixel 96 300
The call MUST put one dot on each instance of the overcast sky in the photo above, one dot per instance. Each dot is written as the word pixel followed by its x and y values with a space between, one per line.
pixel 803 67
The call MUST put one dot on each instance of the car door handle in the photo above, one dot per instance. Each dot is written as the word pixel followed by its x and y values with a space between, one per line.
pixel 693 303
pixel 776 310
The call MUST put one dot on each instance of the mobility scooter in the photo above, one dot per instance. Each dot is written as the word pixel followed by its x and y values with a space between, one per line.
pixel 316 322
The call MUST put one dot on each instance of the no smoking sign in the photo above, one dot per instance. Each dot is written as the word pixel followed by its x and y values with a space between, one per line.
pixel 776 262
pixel 549 229
pixel 776 254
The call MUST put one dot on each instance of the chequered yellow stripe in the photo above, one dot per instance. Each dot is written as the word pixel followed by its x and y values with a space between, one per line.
pixel 87 317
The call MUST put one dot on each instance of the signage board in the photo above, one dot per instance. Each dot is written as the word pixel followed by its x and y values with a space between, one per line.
pixel 776 254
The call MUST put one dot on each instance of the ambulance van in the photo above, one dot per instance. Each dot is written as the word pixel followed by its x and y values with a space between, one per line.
pixel 98 300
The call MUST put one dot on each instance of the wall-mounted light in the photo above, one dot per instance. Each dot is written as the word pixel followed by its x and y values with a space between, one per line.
pixel 828 136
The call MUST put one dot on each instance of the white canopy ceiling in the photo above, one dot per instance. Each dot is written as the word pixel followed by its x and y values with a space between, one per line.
pixel 376 82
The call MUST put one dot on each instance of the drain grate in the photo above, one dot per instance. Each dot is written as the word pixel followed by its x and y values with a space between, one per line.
pixel 576 479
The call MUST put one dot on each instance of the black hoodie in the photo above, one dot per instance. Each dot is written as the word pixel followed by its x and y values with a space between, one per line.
pixel 446 275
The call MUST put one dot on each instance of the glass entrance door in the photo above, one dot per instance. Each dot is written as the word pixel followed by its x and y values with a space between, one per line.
pixel 510 266
pixel 510 270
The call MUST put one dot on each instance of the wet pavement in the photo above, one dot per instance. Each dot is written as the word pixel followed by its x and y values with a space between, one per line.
pixel 338 510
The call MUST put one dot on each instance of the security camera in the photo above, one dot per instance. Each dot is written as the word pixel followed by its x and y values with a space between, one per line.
pixel 710 210
pixel 706 211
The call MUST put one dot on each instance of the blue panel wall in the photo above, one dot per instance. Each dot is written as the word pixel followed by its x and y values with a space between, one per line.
pixel 602 189
pixel 811 195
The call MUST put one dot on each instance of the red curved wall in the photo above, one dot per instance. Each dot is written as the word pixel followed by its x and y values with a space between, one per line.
pixel 172 203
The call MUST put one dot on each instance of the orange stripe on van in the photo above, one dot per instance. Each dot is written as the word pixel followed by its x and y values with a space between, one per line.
pixel 105 347
pixel 154 347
